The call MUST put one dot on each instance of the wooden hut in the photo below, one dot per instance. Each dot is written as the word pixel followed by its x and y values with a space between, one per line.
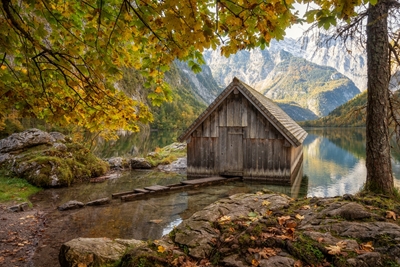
pixel 243 133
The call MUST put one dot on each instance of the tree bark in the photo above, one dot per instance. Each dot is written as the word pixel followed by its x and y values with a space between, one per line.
pixel 379 168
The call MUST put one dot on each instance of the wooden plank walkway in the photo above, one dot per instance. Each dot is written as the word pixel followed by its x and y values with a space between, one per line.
pixel 204 180
pixel 151 190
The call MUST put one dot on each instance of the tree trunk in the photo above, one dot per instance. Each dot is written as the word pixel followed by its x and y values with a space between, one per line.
pixel 379 168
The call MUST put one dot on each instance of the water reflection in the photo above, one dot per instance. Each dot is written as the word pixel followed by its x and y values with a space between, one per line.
pixel 334 161
pixel 334 164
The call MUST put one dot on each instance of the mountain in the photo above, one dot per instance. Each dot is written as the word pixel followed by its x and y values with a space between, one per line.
pixel 285 78
pixel 191 94
pixel 202 85
pixel 352 113
pixel 316 88
pixel 346 56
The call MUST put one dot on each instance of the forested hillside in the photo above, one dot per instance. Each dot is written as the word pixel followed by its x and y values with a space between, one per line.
pixel 352 113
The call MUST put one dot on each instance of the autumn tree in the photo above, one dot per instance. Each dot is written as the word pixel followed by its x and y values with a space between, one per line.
pixel 377 20
pixel 61 60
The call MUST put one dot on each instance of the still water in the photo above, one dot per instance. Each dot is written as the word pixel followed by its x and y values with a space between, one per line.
pixel 334 164
pixel 334 158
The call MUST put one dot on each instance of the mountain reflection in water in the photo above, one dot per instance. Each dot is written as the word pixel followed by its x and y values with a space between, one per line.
pixel 334 161
pixel 334 164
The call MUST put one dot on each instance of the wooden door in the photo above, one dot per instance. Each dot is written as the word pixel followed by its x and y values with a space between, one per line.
pixel 234 152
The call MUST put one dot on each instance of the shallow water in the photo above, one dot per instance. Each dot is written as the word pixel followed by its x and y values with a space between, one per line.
pixel 334 164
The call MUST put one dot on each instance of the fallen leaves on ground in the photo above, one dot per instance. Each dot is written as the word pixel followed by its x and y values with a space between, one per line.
pixel 337 249
pixel 160 249
pixel 265 203
pixel 283 219
pixel 391 215
pixel 364 248
pixel 299 217
pixel 224 219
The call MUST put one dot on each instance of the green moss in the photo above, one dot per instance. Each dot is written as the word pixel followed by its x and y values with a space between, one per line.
pixel 307 250
pixel 165 155
pixel 15 189
pixel 76 163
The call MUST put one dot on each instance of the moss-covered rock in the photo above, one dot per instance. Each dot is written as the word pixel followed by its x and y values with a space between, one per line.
pixel 48 159
pixel 167 154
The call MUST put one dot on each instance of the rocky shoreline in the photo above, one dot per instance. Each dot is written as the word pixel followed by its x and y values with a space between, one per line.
pixel 263 229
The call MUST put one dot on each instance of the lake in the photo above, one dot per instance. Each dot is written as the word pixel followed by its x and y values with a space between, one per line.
pixel 334 158
pixel 334 164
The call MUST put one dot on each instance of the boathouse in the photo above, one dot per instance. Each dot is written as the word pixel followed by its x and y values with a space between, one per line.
pixel 243 133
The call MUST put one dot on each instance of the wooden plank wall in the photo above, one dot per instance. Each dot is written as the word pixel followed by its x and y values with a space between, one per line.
pixel 265 155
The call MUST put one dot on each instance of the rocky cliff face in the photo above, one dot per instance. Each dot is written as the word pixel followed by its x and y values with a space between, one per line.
pixel 303 89
pixel 203 85
pixel 349 58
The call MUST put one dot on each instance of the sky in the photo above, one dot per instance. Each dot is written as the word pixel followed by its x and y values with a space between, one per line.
pixel 297 30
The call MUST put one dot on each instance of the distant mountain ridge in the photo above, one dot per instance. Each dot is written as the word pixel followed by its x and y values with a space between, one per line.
pixel 295 83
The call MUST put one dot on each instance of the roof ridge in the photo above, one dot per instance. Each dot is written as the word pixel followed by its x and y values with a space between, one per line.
pixel 281 120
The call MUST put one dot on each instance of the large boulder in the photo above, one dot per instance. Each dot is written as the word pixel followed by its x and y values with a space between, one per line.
pixel 95 252
pixel 140 163
pixel 26 139
pixel 179 165
pixel 48 159
pixel 118 163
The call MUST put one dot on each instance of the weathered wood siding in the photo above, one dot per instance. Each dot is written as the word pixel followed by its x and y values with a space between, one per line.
pixel 236 139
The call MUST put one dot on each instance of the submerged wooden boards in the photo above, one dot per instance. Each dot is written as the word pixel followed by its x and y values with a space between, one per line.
pixel 156 188
pixel 204 180
pixel 151 190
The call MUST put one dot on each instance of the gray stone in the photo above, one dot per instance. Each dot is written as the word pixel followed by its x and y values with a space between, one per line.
pixel 19 207
pixel 72 204
pixel 58 137
pixel 94 251
pixel 197 232
pixel 233 261
pixel 176 166
pixel 28 138
pixel 60 147
pixel 351 211
pixel 5 158
pixel 370 259
pixel 277 261
pixel 118 163
pixel 98 202
pixel 140 163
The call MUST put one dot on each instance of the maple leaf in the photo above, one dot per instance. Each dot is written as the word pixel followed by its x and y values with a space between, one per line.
pixel 299 217
pixel 391 215
pixel 283 219
pixel 255 262
pixel 334 250
pixel 367 246
pixel 265 203
pixel 224 219
pixel 342 244
pixel 268 212
pixel 291 224
pixel 265 253
pixel 160 249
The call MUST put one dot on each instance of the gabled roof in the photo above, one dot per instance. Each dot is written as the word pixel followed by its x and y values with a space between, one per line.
pixel 294 134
